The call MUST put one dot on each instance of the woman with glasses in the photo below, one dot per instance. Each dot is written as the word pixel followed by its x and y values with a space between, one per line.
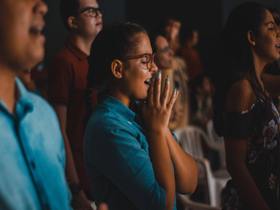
pixel 132 158
pixel 244 112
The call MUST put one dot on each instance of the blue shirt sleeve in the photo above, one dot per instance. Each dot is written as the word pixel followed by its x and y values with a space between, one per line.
pixel 128 166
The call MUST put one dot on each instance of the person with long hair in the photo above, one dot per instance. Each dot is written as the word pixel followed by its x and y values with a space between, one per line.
pixel 244 113
pixel 131 156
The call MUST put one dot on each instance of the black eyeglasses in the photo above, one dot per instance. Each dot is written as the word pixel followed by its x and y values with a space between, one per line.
pixel 146 58
pixel 91 11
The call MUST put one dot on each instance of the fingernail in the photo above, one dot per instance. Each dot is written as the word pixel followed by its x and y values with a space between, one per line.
pixel 167 79
pixel 159 74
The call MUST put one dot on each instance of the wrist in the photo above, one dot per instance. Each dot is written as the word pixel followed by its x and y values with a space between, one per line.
pixel 156 133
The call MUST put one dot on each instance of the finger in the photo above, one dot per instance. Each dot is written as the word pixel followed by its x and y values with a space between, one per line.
pixel 166 90
pixel 173 98
pixel 157 89
pixel 150 93
pixel 102 206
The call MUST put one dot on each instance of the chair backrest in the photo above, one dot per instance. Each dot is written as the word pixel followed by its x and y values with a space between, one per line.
pixel 216 142
pixel 213 136
pixel 190 138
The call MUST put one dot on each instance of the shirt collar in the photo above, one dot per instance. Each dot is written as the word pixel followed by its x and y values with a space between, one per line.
pixel 119 107
pixel 76 51
pixel 24 103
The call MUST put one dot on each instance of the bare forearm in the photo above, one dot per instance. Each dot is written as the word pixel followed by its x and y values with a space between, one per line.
pixel 185 167
pixel 163 166
pixel 71 173
pixel 247 188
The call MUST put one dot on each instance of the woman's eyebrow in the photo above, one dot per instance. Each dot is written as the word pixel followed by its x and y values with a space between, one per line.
pixel 269 22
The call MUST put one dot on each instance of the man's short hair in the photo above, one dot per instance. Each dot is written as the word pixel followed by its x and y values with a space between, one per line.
pixel 68 8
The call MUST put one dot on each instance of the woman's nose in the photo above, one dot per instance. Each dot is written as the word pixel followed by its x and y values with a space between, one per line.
pixel 153 68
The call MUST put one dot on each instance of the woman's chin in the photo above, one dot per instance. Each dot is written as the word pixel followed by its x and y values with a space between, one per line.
pixel 142 97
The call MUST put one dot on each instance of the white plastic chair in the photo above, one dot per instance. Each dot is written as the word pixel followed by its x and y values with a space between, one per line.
pixel 190 138
pixel 216 142
pixel 191 205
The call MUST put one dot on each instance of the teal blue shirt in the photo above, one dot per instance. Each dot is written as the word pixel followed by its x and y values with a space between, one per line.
pixel 32 156
pixel 118 161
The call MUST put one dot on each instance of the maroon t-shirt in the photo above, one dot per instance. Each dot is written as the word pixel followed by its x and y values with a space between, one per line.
pixel 67 86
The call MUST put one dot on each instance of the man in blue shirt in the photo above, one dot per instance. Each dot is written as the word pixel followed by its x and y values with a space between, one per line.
pixel 32 152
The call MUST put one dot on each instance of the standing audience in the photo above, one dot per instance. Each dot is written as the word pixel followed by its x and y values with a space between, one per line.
pixel 191 55
pixel 165 60
pixel 171 33
pixel 201 101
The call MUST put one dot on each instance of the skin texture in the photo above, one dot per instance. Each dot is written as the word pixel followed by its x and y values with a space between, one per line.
pixel 172 30
pixel 88 26
pixel 21 42
pixel 164 53
pixel 133 81
pixel 22 47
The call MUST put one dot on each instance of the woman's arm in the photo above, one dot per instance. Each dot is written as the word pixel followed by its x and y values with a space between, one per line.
pixel 236 156
pixel 79 199
pixel 156 115
pixel 185 167
pixel 162 165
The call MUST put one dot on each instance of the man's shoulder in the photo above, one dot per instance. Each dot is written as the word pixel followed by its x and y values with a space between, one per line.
pixel 40 104
pixel 64 54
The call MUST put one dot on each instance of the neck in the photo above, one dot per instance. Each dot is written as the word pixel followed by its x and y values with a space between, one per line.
pixel 259 66
pixel 82 43
pixel 120 96
pixel 7 88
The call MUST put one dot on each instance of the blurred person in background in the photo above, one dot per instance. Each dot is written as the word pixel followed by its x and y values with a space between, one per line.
pixel 164 58
pixel 191 55
pixel 67 89
pixel 171 33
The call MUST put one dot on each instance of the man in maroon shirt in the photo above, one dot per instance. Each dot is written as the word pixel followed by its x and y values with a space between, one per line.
pixel 67 89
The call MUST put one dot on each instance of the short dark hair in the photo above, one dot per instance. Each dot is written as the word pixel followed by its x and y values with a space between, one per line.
pixel 113 42
pixel 68 8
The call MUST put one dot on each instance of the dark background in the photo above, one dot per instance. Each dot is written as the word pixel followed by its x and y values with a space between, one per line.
pixel 207 16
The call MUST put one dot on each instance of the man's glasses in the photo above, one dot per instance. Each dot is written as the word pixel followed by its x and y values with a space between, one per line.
pixel 91 11
pixel 146 58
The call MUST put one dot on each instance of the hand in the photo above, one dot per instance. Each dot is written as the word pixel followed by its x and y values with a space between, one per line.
pixel 157 109
pixel 103 206
pixel 80 202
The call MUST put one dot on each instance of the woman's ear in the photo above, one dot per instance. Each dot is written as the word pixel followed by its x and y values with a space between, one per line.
pixel 117 68
pixel 72 22
pixel 251 38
